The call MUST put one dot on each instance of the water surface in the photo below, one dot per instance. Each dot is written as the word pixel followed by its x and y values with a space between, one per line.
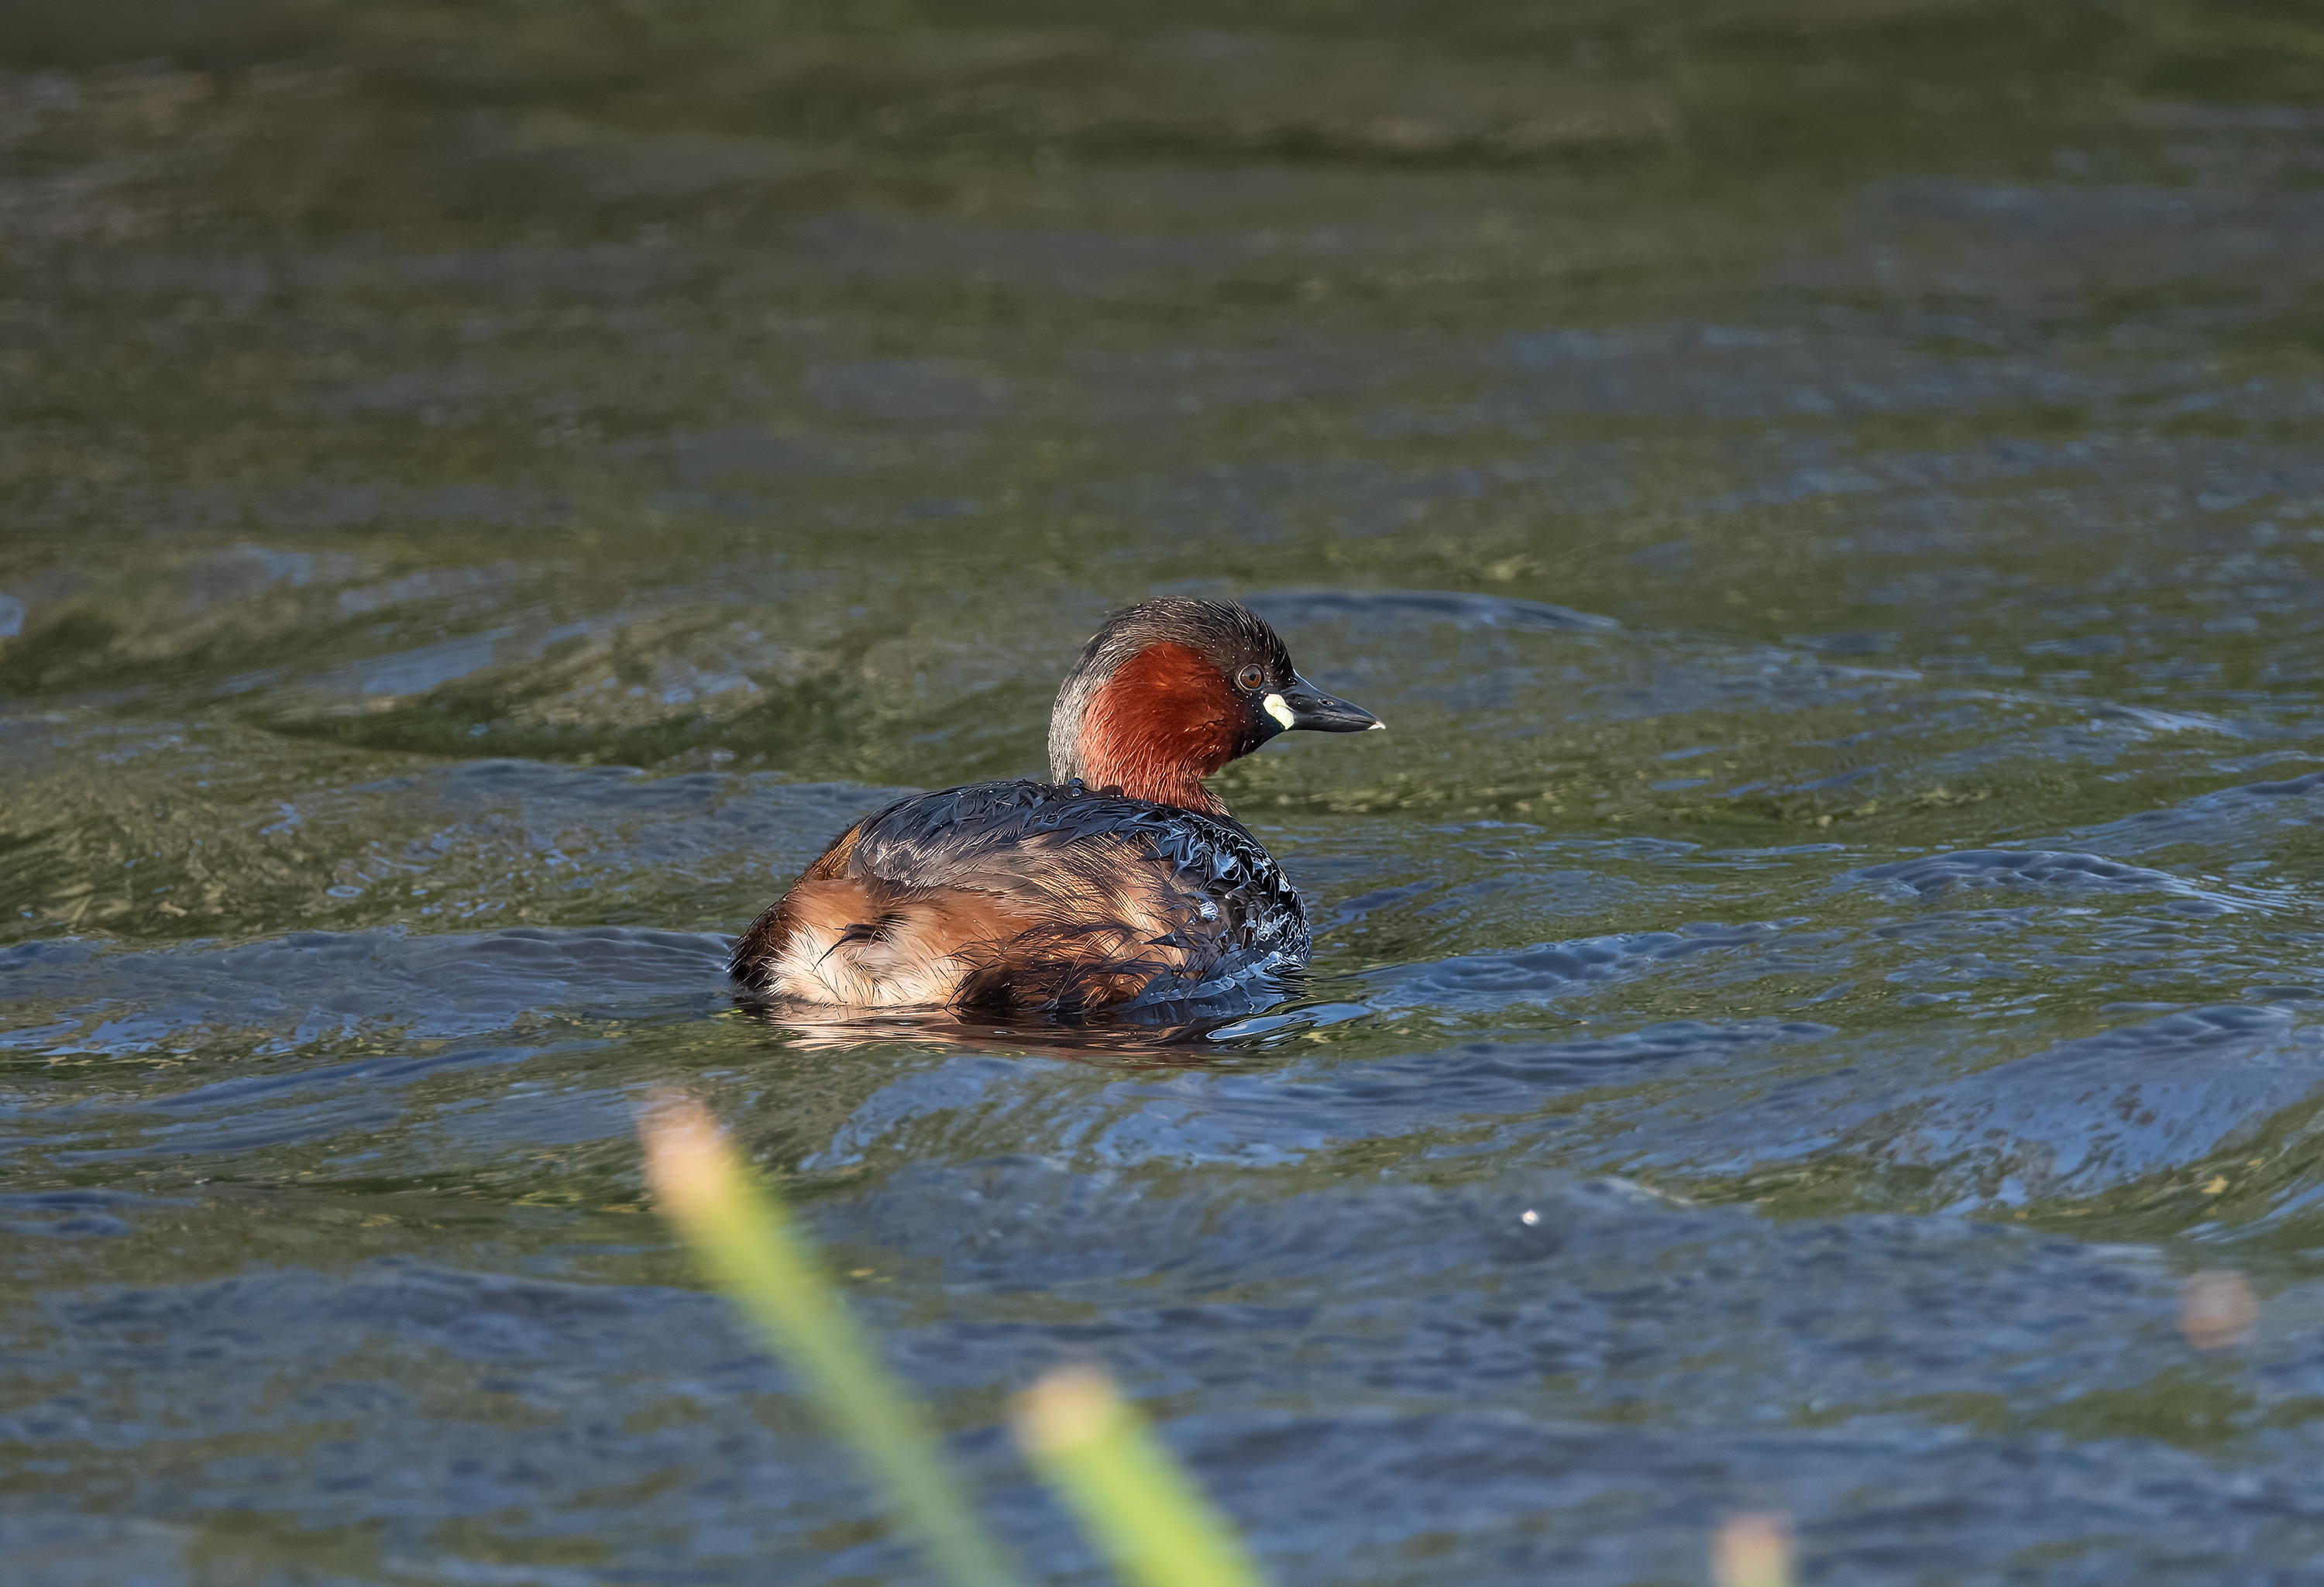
pixel 1832 509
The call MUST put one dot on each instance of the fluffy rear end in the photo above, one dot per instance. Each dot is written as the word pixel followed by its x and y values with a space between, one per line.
pixel 871 946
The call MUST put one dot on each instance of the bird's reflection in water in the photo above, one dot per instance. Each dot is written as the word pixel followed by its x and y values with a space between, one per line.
pixel 1181 1034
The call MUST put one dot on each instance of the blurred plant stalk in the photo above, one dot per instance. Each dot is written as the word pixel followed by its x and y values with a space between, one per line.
pixel 1130 1496
pixel 2216 1308
pixel 1752 1549
pixel 742 1235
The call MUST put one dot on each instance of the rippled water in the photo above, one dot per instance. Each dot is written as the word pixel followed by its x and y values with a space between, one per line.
pixel 1828 946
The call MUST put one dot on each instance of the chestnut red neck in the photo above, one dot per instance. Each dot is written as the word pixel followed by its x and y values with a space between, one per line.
pixel 1166 719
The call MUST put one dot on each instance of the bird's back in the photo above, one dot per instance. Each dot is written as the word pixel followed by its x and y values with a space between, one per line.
pixel 1027 896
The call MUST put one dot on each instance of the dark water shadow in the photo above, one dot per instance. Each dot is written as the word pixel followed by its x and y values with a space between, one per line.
pixel 1180 1033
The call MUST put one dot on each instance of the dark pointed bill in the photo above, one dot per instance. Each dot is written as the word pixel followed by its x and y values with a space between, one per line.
pixel 1303 704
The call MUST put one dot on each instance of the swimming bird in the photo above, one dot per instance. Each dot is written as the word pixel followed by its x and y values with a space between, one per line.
pixel 1122 880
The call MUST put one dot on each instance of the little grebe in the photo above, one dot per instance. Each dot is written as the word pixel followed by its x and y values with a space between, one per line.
pixel 1122 881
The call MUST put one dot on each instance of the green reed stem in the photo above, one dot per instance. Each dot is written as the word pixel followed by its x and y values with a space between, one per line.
pixel 743 1237
pixel 1130 1495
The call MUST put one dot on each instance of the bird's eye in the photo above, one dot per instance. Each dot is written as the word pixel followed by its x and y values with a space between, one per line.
pixel 1253 676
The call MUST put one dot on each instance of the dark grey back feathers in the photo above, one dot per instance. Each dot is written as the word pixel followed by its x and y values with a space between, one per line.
pixel 1202 885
